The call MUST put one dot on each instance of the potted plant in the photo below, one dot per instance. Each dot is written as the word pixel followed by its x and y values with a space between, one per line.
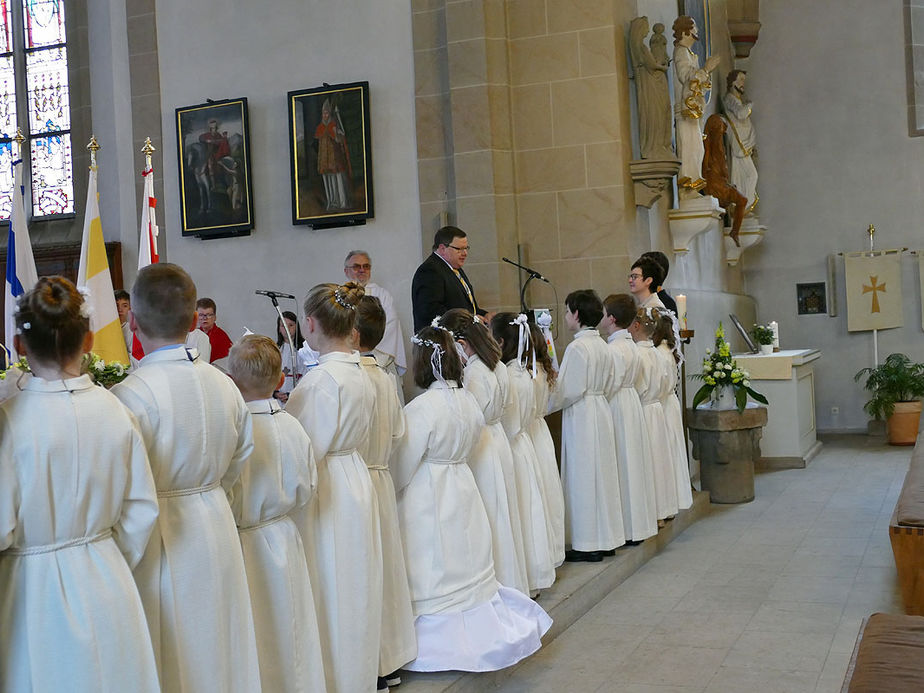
pixel 896 387
pixel 763 335
pixel 727 385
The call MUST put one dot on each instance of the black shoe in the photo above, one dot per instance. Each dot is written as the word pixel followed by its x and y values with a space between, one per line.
pixel 393 679
pixel 381 685
pixel 573 556
pixel 611 552
pixel 630 542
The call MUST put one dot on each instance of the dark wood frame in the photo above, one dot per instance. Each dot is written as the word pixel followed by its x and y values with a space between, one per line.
pixel 306 181
pixel 210 224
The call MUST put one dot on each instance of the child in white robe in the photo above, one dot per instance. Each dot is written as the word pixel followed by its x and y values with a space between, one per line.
pixel 399 642
pixel 543 384
pixel 280 476
pixel 590 475
pixel 198 434
pixel 76 512
pixel 491 461
pixel 633 449
pixel 465 620
pixel 334 402
pixel 511 332
pixel 664 339
pixel 649 383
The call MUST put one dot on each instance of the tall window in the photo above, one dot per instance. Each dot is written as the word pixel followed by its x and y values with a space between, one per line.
pixel 35 96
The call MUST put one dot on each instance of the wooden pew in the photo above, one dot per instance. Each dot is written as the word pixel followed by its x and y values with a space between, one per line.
pixel 888 656
pixel 906 533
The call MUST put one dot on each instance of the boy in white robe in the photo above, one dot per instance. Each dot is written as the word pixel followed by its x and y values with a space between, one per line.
pixel 633 449
pixel 198 434
pixel 279 477
pixel 589 468
pixel 386 428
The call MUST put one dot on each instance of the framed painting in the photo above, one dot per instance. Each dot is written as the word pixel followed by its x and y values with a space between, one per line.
pixel 811 299
pixel 213 154
pixel 331 155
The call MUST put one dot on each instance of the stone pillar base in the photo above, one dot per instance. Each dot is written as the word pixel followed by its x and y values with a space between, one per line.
pixel 727 444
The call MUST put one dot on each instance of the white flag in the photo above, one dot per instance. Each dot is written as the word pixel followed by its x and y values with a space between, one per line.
pixel 147 245
pixel 874 290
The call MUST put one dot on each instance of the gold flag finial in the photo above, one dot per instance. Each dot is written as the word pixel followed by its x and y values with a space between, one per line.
pixel 148 148
pixel 20 138
pixel 93 146
pixel 871 230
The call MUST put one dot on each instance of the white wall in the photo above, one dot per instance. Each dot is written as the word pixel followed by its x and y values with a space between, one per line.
pixel 828 83
pixel 222 49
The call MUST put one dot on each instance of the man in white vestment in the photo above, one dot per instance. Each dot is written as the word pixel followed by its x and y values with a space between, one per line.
pixel 690 86
pixel 741 137
pixel 389 354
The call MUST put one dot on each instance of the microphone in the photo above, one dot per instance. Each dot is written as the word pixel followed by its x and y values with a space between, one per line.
pixel 532 272
pixel 273 294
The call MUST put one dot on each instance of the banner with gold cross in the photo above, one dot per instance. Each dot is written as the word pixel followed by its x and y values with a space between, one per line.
pixel 874 290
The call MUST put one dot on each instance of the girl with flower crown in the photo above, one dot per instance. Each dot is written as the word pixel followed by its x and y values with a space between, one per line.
pixel 512 333
pixel 491 461
pixel 590 476
pixel 334 402
pixel 76 512
pixel 465 620
pixel 650 383
pixel 666 347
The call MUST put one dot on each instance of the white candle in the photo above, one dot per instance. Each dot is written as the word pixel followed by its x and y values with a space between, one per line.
pixel 774 326
pixel 682 309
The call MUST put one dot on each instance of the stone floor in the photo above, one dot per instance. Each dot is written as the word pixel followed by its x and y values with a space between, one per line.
pixel 763 597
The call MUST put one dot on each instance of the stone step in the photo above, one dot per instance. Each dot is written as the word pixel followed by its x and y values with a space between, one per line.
pixel 578 588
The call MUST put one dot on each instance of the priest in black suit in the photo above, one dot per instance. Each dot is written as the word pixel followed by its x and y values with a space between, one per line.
pixel 439 283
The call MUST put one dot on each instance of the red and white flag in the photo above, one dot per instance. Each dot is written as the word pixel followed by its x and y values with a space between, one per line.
pixel 147 246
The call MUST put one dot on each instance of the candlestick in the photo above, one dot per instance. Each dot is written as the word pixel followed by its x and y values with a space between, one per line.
pixel 775 328
pixel 682 309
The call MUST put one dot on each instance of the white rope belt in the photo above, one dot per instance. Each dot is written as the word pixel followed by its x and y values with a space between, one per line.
pixel 341 453
pixel 437 460
pixel 173 493
pixel 48 548
pixel 377 467
pixel 260 525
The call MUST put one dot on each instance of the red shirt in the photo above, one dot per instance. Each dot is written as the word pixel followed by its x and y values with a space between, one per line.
pixel 221 343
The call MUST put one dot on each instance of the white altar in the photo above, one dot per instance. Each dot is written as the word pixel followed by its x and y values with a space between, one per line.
pixel 787 379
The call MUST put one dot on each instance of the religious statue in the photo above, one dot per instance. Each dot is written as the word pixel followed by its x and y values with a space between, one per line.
pixel 690 85
pixel 654 101
pixel 742 140
pixel 715 175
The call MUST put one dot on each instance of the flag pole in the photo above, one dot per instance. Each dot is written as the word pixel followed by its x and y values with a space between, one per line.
pixel 872 231
pixel 93 147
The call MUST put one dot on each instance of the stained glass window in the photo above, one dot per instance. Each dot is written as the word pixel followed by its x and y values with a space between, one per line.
pixel 48 99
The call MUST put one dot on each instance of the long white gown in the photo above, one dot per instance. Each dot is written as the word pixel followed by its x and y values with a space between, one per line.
pixel 541 437
pixel 399 642
pixel 76 512
pixel 334 403
pixel 465 620
pixel 649 383
pixel 279 477
pixel 590 477
pixel 633 449
pixel 488 462
pixel 534 516
pixel 673 417
pixel 192 581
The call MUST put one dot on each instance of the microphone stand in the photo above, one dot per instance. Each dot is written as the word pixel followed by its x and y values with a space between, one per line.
pixel 533 274
pixel 282 322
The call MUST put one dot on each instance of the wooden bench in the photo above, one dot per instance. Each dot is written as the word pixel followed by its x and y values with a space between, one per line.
pixel 888 656
pixel 906 533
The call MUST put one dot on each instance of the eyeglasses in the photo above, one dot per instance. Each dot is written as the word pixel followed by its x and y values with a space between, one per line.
pixel 634 276
pixel 356 268
pixel 461 250
pixel 206 316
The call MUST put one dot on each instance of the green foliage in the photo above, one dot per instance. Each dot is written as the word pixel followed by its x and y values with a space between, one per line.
pixel 762 334
pixel 896 380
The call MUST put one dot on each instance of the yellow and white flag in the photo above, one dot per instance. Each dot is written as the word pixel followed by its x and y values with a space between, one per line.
pixel 921 279
pixel 874 290
pixel 93 274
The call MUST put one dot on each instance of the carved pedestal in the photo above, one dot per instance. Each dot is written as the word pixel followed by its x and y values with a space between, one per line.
pixel 751 234
pixel 652 178
pixel 693 217
pixel 727 444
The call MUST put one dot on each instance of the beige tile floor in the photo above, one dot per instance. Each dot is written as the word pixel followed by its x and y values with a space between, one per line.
pixel 764 597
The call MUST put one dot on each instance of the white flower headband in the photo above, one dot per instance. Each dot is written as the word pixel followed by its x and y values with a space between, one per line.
pixel 86 310
pixel 524 342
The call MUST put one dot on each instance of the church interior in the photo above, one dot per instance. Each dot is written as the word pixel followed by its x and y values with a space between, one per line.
pixel 521 122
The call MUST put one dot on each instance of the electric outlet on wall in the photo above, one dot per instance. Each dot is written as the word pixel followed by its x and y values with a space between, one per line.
pixel 835 411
